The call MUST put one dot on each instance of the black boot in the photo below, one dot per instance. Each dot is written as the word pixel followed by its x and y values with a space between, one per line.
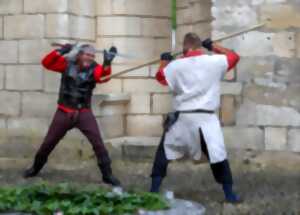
pixel 36 167
pixel 107 175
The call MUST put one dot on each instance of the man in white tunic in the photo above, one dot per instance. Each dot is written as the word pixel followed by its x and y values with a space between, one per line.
pixel 193 127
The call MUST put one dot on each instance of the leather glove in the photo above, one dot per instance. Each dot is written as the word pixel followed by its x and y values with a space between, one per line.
pixel 109 56
pixel 208 44
pixel 166 56
pixel 66 48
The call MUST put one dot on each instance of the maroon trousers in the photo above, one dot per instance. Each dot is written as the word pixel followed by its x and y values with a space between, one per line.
pixel 62 122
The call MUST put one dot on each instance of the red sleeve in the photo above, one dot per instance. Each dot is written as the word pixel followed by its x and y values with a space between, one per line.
pixel 160 76
pixel 232 58
pixel 101 72
pixel 55 62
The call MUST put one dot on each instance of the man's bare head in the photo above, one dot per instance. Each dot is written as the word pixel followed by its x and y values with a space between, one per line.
pixel 191 42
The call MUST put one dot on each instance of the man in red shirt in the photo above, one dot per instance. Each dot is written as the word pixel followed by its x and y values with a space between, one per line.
pixel 79 77
pixel 193 128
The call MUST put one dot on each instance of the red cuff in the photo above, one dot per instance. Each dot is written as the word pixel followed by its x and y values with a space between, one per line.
pixel 160 75
pixel 232 58
pixel 55 62
pixel 101 72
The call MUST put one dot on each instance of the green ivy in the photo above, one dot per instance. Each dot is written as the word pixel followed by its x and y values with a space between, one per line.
pixel 44 199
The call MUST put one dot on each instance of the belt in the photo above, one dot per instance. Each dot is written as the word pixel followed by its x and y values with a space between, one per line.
pixel 196 111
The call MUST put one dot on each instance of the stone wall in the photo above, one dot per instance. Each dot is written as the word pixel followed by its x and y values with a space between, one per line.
pixel 260 107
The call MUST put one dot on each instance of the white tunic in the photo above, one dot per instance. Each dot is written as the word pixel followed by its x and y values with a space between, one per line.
pixel 195 84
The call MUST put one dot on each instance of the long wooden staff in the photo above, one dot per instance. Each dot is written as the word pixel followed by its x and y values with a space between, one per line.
pixel 156 60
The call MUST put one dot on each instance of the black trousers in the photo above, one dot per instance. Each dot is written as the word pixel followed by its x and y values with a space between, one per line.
pixel 221 171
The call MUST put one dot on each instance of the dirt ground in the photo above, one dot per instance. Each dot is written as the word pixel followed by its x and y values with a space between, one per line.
pixel 268 182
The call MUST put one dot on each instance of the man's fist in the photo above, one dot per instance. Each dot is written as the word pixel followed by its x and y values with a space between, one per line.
pixel 166 56
pixel 109 56
pixel 66 48
pixel 208 44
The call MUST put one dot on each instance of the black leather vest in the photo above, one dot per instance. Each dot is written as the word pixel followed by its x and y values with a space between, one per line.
pixel 76 87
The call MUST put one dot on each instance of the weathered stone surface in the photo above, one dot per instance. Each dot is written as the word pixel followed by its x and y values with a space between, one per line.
pixel 57 25
pixel 161 103
pixel 1 77
pixel 281 16
pixel 24 77
pixel 10 55
pixel 142 72
pixel 267 115
pixel 280 44
pixel 11 6
pixel 27 126
pixel 287 71
pixel 52 81
pixel 23 26
pixel 82 28
pixel 46 6
pixel 32 51
pixel 143 86
pixel 276 138
pixel 293 140
pixel 113 86
pixel 104 7
pixel 155 27
pixel 1 27
pixel 139 103
pixel 231 88
pixel 83 7
pixel 233 16
pixel 244 137
pixel 120 26
pixel 298 45
pixel 255 67
pixel 144 125
pixel 228 110
pixel 10 103
pixel 36 104
pixel 142 7
pixel 112 126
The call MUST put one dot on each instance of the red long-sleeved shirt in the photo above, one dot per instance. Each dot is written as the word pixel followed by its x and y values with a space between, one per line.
pixel 232 59
pixel 57 63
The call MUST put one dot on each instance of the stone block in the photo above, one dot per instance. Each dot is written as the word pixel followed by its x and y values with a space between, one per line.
pixel 161 45
pixel 120 26
pixel 10 55
pixel 142 7
pixel 83 7
pixel 244 138
pixel 144 125
pixel 143 86
pixel 139 103
pixel 2 77
pixel 197 11
pixel 281 16
pixel 52 81
pixel 227 18
pixel 161 103
pixel 276 138
pixel 231 88
pixel 113 86
pixel 28 127
pixel 228 110
pixel 45 6
pixel 108 109
pixel 104 7
pixel 24 77
pixel 155 27
pixel 267 115
pixel 36 104
pixel 32 51
pixel 82 28
pixel 1 27
pixel 293 140
pixel 10 103
pixel 112 126
pixel 57 25
pixel 250 68
pixel 11 6
pixel 141 72
pixel 23 26
pixel 298 45
pixel 281 44
pixel 286 71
